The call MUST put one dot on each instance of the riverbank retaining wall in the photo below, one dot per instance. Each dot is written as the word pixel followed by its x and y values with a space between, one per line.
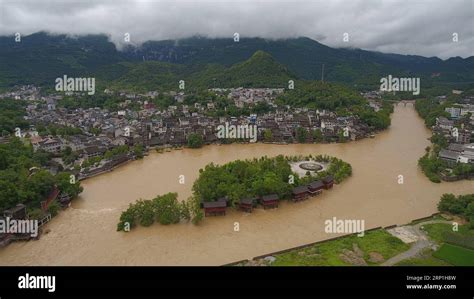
pixel 454 178
pixel 323 241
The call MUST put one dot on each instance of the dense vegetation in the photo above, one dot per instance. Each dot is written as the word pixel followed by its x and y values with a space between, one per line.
pixel 432 166
pixel 164 209
pixel 45 57
pixel 337 98
pixel 99 100
pixel 329 253
pixel 257 177
pixel 430 108
pixel 22 179
pixel 321 95
pixel 260 70
pixel 462 205
pixel 195 140
pixel 11 116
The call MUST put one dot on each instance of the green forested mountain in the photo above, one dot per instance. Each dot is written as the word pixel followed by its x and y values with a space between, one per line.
pixel 260 70
pixel 40 58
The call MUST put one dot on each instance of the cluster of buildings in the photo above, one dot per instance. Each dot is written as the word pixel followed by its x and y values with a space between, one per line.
pixel 102 130
pixel 23 92
pixel 242 97
pixel 460 110
pixel 458 129
pixel 458 153
pixel 172 126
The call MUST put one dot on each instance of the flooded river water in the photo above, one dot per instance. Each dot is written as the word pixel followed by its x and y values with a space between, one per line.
pixel 85 234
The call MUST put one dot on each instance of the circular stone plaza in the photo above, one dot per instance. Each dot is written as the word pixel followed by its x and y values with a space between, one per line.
pixel 302 167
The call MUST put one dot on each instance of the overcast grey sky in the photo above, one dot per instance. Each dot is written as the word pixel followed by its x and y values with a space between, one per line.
pixel 422 27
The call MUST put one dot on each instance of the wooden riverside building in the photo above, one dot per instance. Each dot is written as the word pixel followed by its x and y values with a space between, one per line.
pixel 300 193
pixel 214 208
pixel 247 204
pixel 328 182
pixel 315 188
pixel 18 212
pixel 269 201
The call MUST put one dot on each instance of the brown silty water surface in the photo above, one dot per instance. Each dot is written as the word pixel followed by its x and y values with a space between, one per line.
pixel 85 234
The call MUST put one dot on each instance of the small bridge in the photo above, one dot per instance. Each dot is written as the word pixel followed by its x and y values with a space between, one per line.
pixel 403 102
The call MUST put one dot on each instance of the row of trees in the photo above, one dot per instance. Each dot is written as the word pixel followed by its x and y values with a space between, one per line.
pixel 164 209
pixel 430 109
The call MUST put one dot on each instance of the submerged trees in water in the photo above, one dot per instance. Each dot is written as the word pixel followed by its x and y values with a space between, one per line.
pixel 164 209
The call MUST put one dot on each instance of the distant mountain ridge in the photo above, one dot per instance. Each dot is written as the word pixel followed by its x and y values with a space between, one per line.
pixel 40 58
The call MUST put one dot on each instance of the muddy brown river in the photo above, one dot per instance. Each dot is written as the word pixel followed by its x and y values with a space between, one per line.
pixel 85 234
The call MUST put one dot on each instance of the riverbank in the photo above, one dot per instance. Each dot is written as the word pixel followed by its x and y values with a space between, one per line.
pixel 449 157
pixel 115 163
pixel 85 234
pixel 423 242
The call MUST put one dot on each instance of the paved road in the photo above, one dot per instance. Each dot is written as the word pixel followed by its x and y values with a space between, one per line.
pixel 422 243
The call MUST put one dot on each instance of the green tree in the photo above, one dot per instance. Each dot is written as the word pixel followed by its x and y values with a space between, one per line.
pixel 167 208
pixel 138 151
pixel 301 134
pixel 317 135
pixel 267 135
pixel 54 208
pixel 127 219
pixel 195 140
pixel 68 184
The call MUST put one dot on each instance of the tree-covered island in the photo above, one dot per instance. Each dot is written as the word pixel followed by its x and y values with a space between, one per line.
pixel 235 181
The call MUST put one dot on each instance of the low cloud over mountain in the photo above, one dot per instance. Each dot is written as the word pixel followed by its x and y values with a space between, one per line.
pixel 407 27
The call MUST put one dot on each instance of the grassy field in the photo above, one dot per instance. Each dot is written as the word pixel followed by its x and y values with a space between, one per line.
pixel 437 231
pixel 328 253
pixel 448 254
pixel 455 255
pixel 425 259
pixel 435 217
